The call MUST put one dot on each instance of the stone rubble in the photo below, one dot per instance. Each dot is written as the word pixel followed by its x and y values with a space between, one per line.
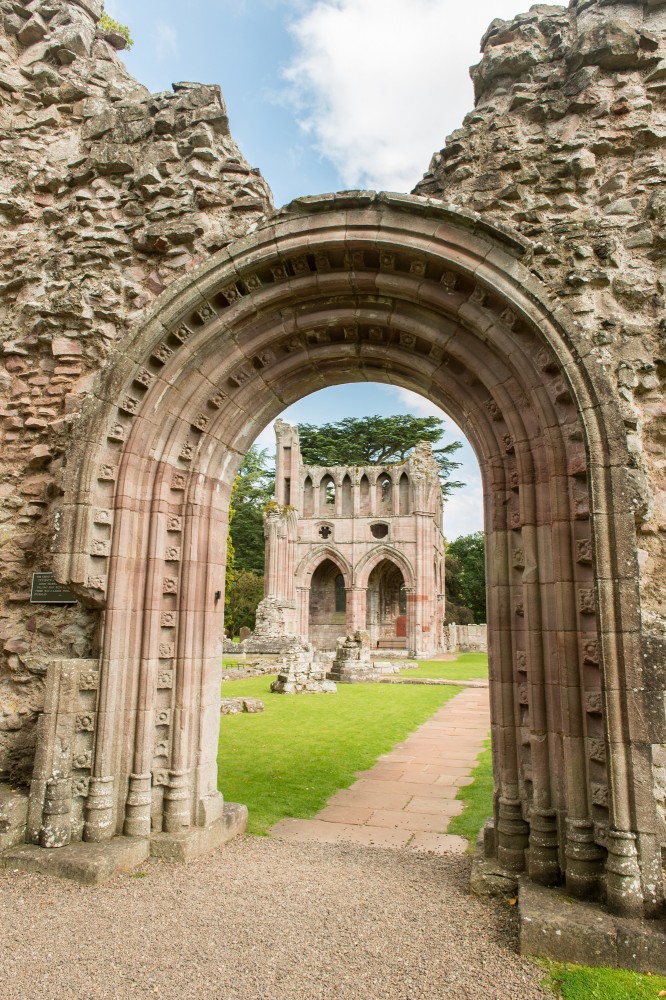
pixel 301 671
pixel 354 663
pixel 236 706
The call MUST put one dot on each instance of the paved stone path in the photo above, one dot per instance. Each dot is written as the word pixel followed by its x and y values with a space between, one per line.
pixel 409 796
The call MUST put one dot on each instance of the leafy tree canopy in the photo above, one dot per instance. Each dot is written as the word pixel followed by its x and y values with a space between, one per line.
pixel 246 590
pixel 108 23
pixel 377 441
pixel 466 580
pixel 253 488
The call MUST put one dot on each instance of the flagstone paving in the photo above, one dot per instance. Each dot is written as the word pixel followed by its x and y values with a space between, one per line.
pixel 408 798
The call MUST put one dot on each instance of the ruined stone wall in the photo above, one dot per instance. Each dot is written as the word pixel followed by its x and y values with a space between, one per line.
pixel 567 145
pixel 107 194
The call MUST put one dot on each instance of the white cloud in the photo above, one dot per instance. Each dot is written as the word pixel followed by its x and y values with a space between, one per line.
pixel 166 40
pixel 378 84
pixel 463 511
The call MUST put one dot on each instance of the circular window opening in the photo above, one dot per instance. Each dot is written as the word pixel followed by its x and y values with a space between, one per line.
pixel 325 531
pixel 379 530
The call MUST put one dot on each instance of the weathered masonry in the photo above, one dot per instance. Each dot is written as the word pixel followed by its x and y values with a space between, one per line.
pixel 351 549
pixel 150 332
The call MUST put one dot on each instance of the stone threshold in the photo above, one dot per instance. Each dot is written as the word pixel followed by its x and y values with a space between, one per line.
pixel 95 864
pixel 555 926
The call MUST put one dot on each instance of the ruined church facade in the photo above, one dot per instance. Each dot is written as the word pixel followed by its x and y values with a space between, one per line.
pixel 357 549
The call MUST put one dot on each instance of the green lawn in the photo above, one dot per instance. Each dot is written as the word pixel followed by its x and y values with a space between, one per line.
pixel 575 982
pixel 289 759
pixel 478 799
pixel 468 667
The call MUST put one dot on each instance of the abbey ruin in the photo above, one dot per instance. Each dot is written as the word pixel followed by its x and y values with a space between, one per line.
pixel 353 550
pixel 157 313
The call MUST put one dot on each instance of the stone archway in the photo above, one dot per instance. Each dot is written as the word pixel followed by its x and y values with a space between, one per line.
pixel 386 606
pixel 344 288
pixel 327 605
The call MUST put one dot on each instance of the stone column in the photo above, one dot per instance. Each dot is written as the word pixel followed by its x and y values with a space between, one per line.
pixel 412 642
pixel 356 609
pixel 271 532
pixel 303 611
pixel 422 598
pixel 356 496
pixel 119 670
pixel 372 615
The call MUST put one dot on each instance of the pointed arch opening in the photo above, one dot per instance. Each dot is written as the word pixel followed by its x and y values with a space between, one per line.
pixel 328 606
pixel 308 497
pixel 403 490
pixel 386 607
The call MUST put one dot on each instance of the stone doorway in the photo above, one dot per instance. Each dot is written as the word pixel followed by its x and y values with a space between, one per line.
pixel 386 607
pixel 328 606
pixel 347 288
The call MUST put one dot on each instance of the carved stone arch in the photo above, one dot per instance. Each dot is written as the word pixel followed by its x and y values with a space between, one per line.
pixel 313 559
pixel 379 554
pixel 150 468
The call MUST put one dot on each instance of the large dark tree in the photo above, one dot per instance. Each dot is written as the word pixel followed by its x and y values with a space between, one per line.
pixel 247 589
pixel 466 580
pixel 377 441
pixel 253 488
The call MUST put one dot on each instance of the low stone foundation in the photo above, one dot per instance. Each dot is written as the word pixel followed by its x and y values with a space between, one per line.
pixel 465 638
pixel 95 864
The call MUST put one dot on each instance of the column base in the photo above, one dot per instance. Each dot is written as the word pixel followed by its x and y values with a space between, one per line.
pixel 555 926
pixel 86 863
pixel 184 845
pixel 96 863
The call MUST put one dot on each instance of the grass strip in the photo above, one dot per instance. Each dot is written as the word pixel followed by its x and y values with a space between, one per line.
pixel 577 982
pixel 467 667
pixel 478 799
pixel 289 759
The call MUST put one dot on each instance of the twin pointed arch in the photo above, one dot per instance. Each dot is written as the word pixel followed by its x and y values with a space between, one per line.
pixel 398 289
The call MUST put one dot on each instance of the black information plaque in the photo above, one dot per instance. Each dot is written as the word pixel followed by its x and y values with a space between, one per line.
pixel 45 590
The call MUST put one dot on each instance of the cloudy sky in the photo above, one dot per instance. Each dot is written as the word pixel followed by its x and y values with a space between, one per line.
pixel 325 95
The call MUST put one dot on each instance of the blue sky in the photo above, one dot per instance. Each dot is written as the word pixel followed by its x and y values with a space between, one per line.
pixel 325 95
